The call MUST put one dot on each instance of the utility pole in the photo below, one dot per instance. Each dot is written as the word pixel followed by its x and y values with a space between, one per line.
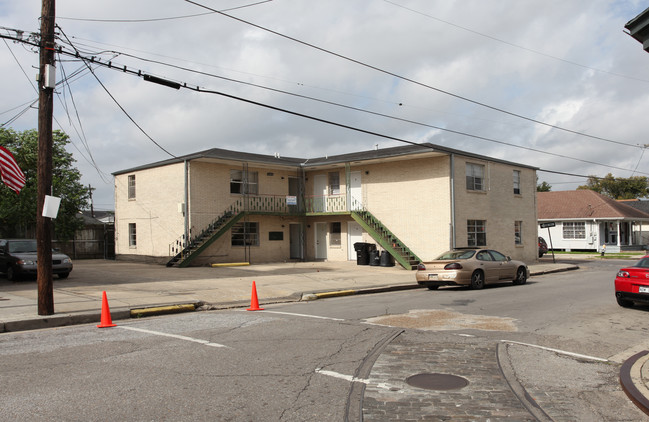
pixel 92 206
pixel 46 84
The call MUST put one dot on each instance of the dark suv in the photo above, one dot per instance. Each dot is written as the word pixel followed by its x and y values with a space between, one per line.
pixel 18 257
pixel 543 247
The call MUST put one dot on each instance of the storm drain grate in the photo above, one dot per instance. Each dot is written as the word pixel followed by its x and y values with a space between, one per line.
pixel 437 381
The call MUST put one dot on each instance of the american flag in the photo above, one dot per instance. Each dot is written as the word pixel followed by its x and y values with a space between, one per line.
pixel 11 174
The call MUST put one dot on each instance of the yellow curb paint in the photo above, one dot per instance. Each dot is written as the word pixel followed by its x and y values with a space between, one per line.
pixel 135 313
pixel 232 264
pixel 335 294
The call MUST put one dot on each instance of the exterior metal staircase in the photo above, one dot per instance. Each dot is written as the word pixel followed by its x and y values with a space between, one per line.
pixel 185 252
pixel 391 243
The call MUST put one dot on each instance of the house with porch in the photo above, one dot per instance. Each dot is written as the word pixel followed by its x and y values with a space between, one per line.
pixel 586 220
pixel 413 202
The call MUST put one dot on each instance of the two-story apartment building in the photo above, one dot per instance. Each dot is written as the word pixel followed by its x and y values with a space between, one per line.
pixel 414 202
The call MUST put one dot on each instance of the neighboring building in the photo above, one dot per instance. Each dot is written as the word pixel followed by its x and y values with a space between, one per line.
pixel 639 29
pixel 96 240
pixel 587 220
pixel 220 206
pixel 642 232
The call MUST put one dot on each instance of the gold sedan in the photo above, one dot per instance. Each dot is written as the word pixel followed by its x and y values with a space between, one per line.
pixel 471 267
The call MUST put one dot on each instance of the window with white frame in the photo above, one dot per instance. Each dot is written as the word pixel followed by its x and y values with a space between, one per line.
pixel 517 182
pixel 518 232
pixel 245 234
pixel 476 233
pixel 475 177
pixel 574 230
pixel 244 182
pixel 131 186
pixel 132 235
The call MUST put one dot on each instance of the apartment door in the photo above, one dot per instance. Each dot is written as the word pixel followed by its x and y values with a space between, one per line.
pixel 354 234
pixel 296 242
pixel 320 193
pixel 355 189
pixel 320 240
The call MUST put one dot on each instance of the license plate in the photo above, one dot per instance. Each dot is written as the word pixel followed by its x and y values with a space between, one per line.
pixel 643 289
pixel 432 276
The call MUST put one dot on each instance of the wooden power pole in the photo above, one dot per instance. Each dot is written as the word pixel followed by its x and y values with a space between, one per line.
pixel 47 82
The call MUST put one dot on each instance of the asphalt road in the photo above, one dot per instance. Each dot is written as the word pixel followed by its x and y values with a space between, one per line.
pixel 309 361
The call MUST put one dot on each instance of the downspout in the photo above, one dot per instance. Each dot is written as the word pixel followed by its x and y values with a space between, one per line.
pixel 186 208
pixel 452 182
pixel 348 193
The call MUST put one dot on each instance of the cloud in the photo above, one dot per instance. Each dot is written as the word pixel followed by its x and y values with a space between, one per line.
pixel 564 63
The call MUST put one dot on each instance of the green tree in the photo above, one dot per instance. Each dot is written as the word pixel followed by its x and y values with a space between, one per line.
pixel 619 187
pixel 543 187
pixel 18 212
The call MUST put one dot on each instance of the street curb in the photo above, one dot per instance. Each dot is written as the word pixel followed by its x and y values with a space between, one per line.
pixel 557 270
pixel 631 380
pixel 368 290
pixel 164 310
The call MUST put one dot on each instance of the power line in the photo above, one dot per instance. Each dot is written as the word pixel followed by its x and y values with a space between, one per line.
pixel 515 45
pixel 177 85
pixel 85 61
pixel 395 75
pixel 160 19
pixel 362 110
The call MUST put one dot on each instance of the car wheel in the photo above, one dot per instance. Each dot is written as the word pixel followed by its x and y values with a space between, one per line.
pixel 521 276
pixel 432 286
pixel 477 280
pixel 11 274
pixel 64 275
pixel 624 302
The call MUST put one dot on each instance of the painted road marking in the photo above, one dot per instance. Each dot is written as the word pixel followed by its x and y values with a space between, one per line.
pixel 304 315
pixel 563 352
pixel 351 378
pixel 176 336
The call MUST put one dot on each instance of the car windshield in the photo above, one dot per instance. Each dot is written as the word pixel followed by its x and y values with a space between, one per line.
pixel 643 263
pixel 456 255
pixel 19 246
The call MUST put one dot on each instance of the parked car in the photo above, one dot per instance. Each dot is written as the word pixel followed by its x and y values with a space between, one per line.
pixel 543 247
pixel 632 283
pixel 471 267
pixel 18 258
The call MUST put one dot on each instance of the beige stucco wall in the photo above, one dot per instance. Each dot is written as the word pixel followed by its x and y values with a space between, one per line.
pixel 158 191
pixel 412 197
pixel 210 189
pixel 499 207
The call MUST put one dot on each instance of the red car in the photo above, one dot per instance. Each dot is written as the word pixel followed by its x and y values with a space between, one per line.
pixel 632 284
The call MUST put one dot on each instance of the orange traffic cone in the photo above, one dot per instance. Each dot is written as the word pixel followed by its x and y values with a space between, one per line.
pixel 105 313
pixel 254 303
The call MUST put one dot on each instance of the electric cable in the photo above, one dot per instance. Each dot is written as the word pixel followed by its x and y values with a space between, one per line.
pixel 515 45
pixel 159 19
pixel 85 61
pixel 395 75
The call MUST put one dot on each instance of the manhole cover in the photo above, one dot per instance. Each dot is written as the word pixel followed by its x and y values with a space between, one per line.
pixel 437 381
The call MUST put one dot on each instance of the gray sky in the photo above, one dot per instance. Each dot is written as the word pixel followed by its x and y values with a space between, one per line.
pixel 427 64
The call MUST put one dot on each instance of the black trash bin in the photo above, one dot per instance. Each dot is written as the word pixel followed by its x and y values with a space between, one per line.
pixel 363 252
pixel 375 258
pixel 387 260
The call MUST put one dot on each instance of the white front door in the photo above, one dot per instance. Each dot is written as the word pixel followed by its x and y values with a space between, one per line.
pixel 356 193
pixel 320 240
pixel 354 234
pixel 320 193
